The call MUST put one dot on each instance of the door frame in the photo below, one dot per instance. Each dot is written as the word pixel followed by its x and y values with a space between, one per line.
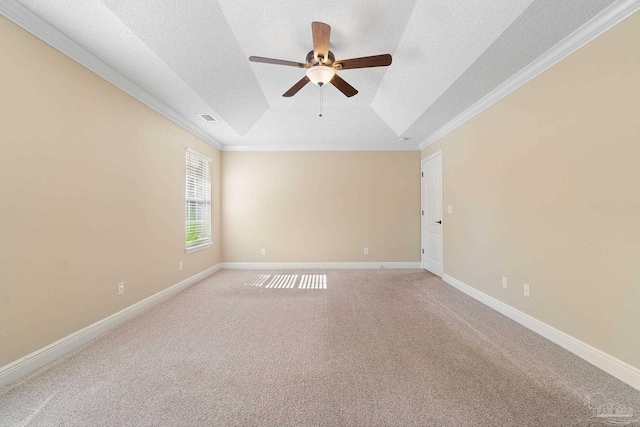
pixel 422 207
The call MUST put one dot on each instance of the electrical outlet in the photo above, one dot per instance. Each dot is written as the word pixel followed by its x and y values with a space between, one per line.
pixel 504 282
pixel 263 251
pixel 120 288
pixel 180 266
pixel 366 251
pixel 449 208
pixel 526 290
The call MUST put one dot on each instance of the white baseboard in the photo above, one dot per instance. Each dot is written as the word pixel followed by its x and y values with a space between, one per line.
pixel 317 265
pixel 39 358
pixel 615 367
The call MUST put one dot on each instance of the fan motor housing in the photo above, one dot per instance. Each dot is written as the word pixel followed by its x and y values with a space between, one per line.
pixel 311 59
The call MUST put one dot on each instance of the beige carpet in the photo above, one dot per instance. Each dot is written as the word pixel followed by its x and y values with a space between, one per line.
pixel 376 348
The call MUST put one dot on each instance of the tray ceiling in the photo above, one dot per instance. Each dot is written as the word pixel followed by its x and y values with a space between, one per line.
pixel 191 55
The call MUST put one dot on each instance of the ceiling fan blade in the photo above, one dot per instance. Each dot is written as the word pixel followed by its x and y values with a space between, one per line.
pixel 343 86
pixel 365 62
pixel 321 34
pixel 277 62
pixel 296 87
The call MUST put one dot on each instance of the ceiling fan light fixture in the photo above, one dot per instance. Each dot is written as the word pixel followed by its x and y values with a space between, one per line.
pixel 321 64
pixel 320 74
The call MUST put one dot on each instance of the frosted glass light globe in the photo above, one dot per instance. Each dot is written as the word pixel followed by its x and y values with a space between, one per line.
pixel 320 74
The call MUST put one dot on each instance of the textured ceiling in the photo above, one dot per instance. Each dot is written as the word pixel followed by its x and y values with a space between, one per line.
pixel 192 56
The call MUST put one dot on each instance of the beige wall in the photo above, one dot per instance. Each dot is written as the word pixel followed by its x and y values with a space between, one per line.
pixel 91 194
pixel 321 206
pixel 545 189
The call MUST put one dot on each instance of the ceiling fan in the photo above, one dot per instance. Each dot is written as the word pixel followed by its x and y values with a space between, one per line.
pixel 321 64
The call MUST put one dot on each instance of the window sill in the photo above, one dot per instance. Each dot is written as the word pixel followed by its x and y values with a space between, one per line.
pixel 198 248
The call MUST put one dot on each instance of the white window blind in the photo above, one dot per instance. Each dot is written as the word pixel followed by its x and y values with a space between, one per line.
pixel 198 200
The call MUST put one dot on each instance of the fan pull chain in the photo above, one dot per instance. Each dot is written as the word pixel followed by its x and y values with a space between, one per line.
pixel 321 100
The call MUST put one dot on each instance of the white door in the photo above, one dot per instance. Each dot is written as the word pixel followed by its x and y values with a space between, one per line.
pixel 432 214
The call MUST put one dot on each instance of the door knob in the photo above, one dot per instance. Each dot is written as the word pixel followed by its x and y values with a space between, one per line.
pixel 438 222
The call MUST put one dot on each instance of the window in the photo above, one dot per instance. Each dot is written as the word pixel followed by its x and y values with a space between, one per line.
pixel 198 201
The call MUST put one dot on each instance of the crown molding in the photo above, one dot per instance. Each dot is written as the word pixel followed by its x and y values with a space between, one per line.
pixel 35 25
pixel 311 147
pixel 602 22
pixel 32 23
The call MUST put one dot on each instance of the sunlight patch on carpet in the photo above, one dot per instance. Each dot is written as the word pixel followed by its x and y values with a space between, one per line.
pixel 288 281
